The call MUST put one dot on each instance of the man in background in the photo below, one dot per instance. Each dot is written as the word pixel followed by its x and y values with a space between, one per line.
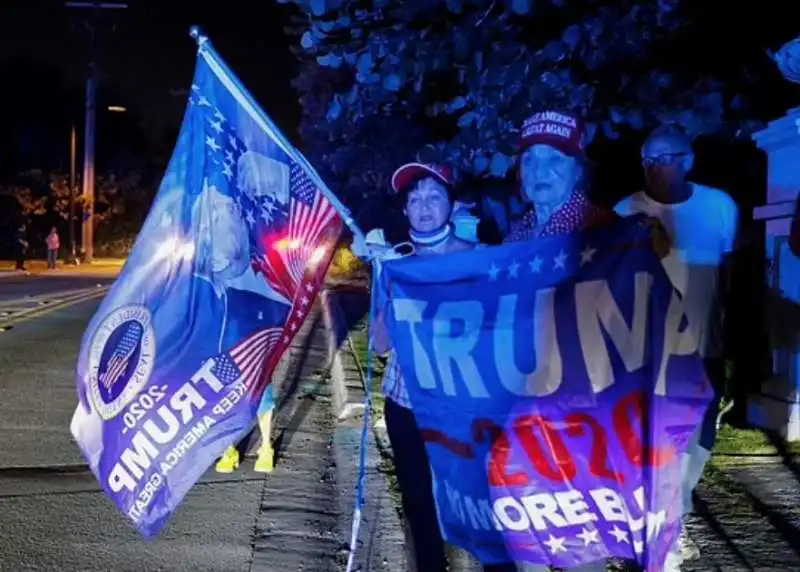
pixel 701 223
pixel 21 245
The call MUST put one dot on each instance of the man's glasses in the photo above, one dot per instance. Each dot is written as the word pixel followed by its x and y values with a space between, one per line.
pixel 662 160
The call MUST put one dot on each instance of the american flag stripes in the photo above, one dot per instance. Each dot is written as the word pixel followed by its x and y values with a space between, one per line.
pixel 120 358
pixel 245 361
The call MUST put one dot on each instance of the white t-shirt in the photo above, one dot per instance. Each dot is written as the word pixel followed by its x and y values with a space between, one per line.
pixel 703 230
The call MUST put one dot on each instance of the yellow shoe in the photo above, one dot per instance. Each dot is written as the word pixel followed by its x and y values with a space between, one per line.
pixel 229 461
pixel 265 462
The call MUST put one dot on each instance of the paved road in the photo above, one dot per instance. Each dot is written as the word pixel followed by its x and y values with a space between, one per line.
pixel 16 287
pixel 54 516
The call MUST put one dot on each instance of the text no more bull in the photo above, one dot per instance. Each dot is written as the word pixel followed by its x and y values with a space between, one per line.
pixel 542 512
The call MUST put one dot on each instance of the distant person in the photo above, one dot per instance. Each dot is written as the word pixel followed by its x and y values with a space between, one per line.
pixel 22 249
pixel 701 223
pixel 53 244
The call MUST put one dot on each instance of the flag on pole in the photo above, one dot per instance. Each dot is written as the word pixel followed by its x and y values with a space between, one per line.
pixel 222 276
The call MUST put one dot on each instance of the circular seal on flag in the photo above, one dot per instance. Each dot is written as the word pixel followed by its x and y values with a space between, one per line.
pixel 121 357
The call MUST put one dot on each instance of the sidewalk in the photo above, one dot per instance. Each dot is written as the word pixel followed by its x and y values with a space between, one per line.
pixel 99 267
pixel 297 526
pixel 747 516
pixel 381 543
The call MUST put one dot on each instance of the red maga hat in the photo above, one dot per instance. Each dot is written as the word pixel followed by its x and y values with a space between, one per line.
pixel 562 131
pixel 411 172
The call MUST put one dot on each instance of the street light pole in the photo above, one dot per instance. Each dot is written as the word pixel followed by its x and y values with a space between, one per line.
pixel 73 150
pixel 87 229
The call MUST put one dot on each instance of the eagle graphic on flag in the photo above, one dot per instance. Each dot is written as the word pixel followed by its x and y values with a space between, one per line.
pixel 221 278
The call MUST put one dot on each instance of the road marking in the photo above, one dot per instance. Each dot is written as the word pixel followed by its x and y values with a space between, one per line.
pixel 46 298
pixel 57 304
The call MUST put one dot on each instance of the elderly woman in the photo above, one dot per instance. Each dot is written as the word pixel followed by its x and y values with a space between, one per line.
pixel 553 179
pixel 426 194
pixel 553 186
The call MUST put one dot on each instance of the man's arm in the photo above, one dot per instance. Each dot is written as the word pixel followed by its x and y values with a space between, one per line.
pixel 725 285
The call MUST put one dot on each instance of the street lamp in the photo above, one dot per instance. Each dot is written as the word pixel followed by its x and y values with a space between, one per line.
pixel 72 257
pixel 73 144
pixel 87 243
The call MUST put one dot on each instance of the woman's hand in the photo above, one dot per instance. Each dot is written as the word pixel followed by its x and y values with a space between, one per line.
pixel 659 238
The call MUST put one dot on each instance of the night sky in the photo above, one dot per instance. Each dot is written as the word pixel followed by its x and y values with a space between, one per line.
pixel 146 63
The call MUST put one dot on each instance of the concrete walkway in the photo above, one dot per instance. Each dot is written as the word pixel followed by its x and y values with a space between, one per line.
pixel 747 517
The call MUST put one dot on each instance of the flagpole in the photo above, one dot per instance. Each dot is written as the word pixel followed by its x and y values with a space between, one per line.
pixel 204 45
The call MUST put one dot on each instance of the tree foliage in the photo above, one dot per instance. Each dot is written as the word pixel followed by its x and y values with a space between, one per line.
pixel 40 201
pixel 389 76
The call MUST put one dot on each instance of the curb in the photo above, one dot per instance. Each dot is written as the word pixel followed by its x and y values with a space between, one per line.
pixel 346 403
pixel 381 543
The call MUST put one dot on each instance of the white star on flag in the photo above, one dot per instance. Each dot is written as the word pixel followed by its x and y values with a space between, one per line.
pixel 536 264
pixel 513 269
pixel 250 218
pixel 202 101
pixel 226 170
pixel 638 546
pixel 304 301
pixel 216 126
pixel 218 115
pixel 620 534
pixel 233 143
pixel 265 215
pixel 560 260
pixel 587 254
pixel 589 536
pixel 211 142
pixel 555 544
pixel 494 271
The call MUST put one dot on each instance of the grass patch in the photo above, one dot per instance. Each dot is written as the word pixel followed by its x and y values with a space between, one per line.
pixel 359 337
pixel 742 442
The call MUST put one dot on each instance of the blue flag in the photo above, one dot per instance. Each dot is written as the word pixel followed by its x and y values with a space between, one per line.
pixel 557 388
pixel 223 274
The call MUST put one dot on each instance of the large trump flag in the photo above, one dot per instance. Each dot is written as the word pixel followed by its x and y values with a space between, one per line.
pixel 557 387
pixel 222 276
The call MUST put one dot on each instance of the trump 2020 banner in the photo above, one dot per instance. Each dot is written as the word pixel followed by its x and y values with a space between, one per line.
pixel 557 388
pixel 222 276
